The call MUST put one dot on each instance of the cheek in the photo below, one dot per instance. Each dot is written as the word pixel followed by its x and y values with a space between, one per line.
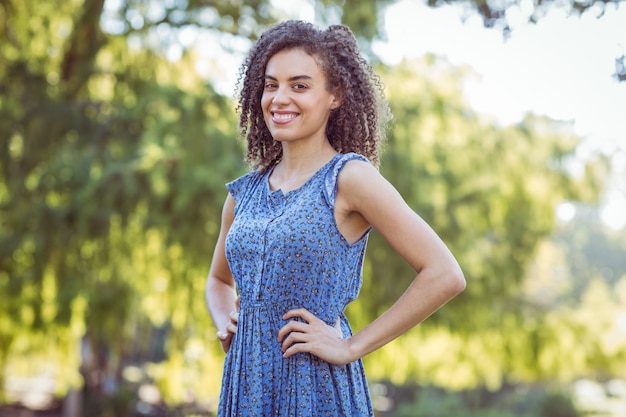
pixel 266 100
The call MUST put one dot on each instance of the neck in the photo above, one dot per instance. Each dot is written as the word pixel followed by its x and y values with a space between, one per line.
pixel 303 159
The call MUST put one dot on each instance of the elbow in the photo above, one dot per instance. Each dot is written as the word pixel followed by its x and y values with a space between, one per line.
pixel 461 283
pixel 456 282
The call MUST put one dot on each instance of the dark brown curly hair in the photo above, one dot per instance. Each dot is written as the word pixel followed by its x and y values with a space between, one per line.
pixel 358 125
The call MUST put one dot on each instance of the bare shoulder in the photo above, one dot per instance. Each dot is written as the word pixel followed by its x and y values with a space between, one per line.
pixel 357 167
pixel 358 173
pixel 361 180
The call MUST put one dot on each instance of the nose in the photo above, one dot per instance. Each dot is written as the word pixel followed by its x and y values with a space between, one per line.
pixel 280 96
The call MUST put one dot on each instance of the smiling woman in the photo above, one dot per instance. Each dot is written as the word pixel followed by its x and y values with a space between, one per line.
pixel 358 125
pixel 295 102
pixel 294 230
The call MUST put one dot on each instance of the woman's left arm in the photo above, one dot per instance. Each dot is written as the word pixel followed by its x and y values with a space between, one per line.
pixel 365 193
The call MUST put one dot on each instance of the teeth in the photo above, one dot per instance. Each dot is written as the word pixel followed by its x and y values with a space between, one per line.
pixel 284 116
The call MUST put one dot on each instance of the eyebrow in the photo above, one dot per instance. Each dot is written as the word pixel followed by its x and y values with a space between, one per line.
pixel 294 78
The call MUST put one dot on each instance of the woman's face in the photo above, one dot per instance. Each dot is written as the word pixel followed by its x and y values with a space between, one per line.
pixel 295 101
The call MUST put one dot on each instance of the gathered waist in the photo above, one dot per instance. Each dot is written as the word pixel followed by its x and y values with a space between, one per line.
pixel 283 305
pixel 279 304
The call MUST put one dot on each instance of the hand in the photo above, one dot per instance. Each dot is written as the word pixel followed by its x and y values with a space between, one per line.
pixel 315 337
pixel 226 337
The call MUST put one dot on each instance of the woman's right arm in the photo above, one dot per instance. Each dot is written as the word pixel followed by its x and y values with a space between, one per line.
pixel 220 292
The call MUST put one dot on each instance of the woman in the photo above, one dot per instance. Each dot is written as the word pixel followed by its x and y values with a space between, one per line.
pixel 294 229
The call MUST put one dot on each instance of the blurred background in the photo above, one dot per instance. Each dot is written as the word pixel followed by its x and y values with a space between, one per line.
pixel 118 131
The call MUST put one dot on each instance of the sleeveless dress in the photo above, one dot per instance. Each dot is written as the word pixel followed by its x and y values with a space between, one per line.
pixel 285 251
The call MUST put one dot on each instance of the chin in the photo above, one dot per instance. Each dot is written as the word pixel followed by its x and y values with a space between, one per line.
pixel 282 138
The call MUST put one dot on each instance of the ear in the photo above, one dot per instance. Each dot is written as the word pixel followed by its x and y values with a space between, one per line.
pixel 337 99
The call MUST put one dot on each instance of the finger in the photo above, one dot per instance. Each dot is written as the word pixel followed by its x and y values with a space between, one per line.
pixel 294 339
pixel 296 348
pixel 302 313
pixel 224 336
pixel 234 316
pixel 226 344
pixel 231 328
pixel 292 326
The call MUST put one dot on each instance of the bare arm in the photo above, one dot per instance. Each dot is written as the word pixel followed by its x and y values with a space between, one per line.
pixel 439 277
pixel 220 293
pixel 366 198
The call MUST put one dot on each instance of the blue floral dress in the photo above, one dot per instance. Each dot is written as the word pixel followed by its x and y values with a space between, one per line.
pixel 285 251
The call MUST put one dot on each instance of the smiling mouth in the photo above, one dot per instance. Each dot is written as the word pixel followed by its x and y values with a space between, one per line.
pixel 283 117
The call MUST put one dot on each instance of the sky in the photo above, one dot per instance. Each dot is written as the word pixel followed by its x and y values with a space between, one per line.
pixel 561 67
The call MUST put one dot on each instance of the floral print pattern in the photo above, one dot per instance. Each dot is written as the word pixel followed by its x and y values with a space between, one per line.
pixel 285 251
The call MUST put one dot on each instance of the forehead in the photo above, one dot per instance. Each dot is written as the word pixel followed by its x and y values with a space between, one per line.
pixel 293 62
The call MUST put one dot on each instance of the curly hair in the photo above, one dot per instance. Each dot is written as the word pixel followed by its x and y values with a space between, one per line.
pixel 358 125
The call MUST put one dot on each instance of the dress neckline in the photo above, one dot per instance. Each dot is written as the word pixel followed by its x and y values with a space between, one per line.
pixel 279 191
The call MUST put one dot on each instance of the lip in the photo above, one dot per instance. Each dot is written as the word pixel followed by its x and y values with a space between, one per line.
pixel 283 117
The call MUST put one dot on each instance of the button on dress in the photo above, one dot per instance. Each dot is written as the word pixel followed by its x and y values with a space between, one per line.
pixel 285 251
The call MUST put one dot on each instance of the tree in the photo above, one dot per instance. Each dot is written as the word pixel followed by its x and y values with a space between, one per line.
pixel 112 165
pixel 595 249
pixel 491 193
pixel 494 15
pixel 364 18
pixel 112 178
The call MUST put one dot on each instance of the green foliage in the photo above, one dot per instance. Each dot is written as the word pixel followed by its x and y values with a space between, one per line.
pixel 557 405
pixel 509 402
pixel 494 14
pixel 112 184
pixel 112 165
pixel 491 193
pixel 594 249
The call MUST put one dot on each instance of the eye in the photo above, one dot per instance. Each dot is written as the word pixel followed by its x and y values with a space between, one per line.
pixel 270 85
pixel 299 86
